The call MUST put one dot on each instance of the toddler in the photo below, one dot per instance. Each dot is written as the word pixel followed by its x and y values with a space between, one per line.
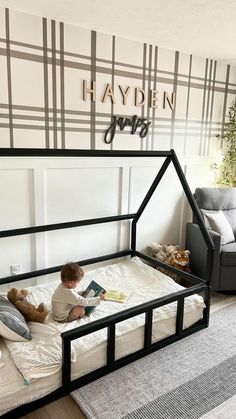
pixel 67 303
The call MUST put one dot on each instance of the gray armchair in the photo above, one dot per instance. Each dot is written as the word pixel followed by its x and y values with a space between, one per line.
pixel 215 203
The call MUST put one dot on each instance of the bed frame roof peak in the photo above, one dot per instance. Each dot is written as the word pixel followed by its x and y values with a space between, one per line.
pixel 169 157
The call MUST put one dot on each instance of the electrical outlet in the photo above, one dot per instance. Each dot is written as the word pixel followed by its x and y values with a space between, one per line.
pixel 15 269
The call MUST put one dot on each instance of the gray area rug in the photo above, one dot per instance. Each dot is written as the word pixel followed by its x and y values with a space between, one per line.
pixel 187 379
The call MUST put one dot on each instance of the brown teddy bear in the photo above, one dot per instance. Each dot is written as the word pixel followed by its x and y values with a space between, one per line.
pixel 179 259
pixel 30 312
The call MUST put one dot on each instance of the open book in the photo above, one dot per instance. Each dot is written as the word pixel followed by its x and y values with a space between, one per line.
pixel 118 296
pixel 93 290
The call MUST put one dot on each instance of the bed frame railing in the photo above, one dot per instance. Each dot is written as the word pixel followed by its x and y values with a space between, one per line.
pixel 110 323
pixel 46 271
pixel 198 284
pixel 59 226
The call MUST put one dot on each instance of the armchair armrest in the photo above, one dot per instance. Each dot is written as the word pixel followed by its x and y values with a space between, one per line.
pixel 198 252
pixel 217 240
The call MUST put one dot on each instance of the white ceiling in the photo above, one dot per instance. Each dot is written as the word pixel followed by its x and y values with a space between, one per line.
pixel 205 28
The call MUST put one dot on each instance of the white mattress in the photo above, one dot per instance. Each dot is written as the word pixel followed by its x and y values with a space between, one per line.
pixel 88 352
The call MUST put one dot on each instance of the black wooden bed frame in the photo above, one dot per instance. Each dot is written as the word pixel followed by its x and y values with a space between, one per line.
pixel 197 284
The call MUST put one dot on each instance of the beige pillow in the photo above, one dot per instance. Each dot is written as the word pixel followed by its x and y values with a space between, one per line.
pixel 219 223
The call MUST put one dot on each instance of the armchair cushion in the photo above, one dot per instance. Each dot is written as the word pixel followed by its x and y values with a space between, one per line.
pixel 216 198
pixel 228 254
pixel 221 225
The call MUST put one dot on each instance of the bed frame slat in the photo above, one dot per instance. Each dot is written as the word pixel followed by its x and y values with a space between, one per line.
pixel 111 334
pixel 180 316
pixel 148 328
pixel 66 362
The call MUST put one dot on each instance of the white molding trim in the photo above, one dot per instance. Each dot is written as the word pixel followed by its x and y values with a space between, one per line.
pixel 40 250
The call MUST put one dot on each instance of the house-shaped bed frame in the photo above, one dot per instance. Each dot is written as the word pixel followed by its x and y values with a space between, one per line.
pixel 197 284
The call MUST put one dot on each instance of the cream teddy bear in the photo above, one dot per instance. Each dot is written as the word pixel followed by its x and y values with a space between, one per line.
pixel 162 251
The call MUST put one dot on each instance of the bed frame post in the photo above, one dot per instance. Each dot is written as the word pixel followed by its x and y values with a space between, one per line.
pixel 207 296
pixel 205 234
pixel 192 202
pixel 180 316
pixel 133 235
pixel 148 328
pixel 66 361
pixel 111 335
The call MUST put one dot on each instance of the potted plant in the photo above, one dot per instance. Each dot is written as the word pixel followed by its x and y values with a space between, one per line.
pixel 227 168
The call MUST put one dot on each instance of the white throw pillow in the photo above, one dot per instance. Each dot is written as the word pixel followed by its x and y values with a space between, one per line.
pixel 220 224
pixel 12 323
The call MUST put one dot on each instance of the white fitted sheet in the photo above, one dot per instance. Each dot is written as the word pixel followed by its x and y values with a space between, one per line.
pixel 89 352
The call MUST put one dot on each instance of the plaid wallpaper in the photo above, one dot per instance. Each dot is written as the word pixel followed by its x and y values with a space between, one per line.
pixel 42 67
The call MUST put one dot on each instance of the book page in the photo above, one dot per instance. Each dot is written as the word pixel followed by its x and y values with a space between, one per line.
pixel 116 295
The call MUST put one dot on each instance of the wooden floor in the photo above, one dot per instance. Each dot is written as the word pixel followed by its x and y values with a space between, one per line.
pixel 62 408
pixel 66 407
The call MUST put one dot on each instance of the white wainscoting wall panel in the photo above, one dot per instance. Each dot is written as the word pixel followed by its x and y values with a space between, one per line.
pixel 49 190
pixel 17 210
